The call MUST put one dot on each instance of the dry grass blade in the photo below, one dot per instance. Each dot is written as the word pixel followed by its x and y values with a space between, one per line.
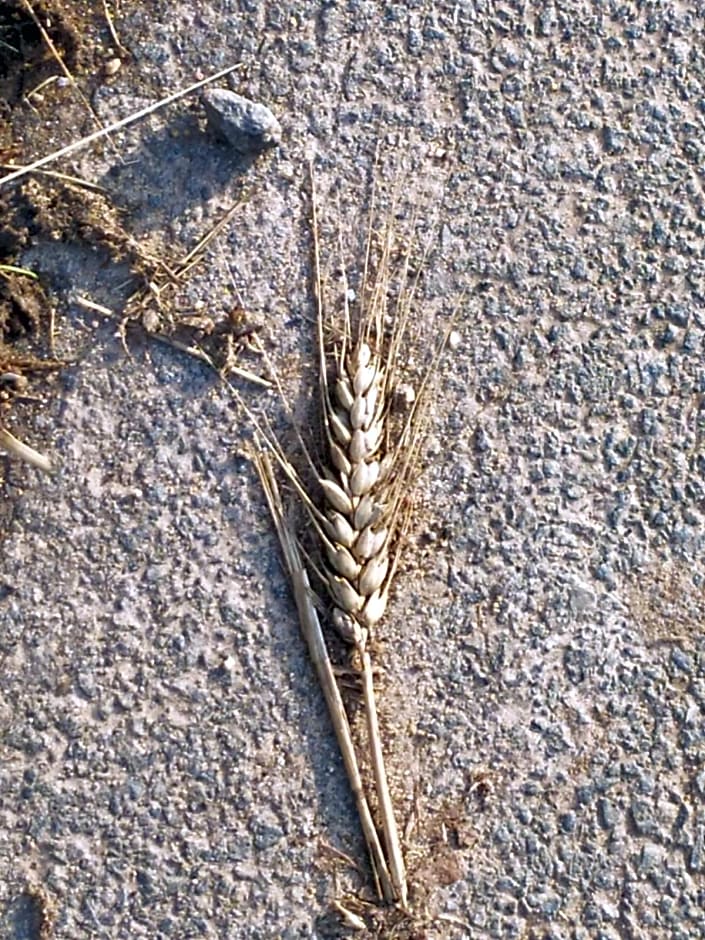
pixel 13 269
pixel 113 32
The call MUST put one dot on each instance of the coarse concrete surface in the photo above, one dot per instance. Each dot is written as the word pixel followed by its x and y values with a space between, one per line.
pixel 167 767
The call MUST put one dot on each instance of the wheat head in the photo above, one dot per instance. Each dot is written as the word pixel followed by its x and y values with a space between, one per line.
pixel 357 548
pixel 372 458
pixel 372 454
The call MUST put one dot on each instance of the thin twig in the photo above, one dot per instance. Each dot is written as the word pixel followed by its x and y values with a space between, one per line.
pixel 395 859
pixel 113 31
pixel 188 260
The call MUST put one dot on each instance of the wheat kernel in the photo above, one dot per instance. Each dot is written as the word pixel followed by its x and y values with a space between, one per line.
pixel 373 574
pixel 343 562
pixel 336 496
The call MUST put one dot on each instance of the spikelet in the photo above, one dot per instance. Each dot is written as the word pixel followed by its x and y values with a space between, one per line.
pixel 355 497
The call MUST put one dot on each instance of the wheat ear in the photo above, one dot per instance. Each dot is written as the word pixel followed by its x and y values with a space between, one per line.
pixel 358 549
pixel 371 459
pixel 366 483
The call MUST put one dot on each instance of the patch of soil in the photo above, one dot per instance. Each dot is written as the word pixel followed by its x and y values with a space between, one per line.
pixel 62 211
pixel 51 210
pixel 31 78
pixel 28 62
pixel 20 307
pixel 46 213
pixel 23 52
pixel 25 59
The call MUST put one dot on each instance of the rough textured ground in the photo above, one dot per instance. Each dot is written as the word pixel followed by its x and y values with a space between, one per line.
pixel 166 766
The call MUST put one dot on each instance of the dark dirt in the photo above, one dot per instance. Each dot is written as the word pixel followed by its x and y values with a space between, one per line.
pixel 48 209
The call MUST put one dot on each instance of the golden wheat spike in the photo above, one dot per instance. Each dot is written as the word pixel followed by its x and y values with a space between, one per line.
pixel 364 473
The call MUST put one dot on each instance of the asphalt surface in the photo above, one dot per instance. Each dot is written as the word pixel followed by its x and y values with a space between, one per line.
pixel 167 768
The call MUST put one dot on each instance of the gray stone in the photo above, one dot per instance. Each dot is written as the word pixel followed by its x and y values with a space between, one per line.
pixel 249 127
pixel 607 813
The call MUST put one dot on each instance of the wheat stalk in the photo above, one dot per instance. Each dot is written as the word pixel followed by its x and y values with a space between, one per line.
pixel 370 458
pixel 313 634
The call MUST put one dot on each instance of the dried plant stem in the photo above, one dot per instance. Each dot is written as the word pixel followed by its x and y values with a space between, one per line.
pixel 311 629
pixel 395 858
pixel 19 449
pixel 113 32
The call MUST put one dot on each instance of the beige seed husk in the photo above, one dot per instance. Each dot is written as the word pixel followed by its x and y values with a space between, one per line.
pixel 344 393
pixel 358 446
pixel 343 562
pixel 369 542
pixel 374 609
pixel 373 574
pixel 364 477
pixel 340 530
pixel 364 377
pixel 348 628
pixel 340 461
pixel 336 496
pixel 366 513
pixel 346 595
pixel 340 428
pixel 371 407
pixel 362 356
pixel 373 436
pixel 357 412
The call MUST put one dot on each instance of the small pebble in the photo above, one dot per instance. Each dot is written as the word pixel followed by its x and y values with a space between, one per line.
pixel 607 813
pixel 454 340
pixel 405 395
pixel 247 126
pixel 112 67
